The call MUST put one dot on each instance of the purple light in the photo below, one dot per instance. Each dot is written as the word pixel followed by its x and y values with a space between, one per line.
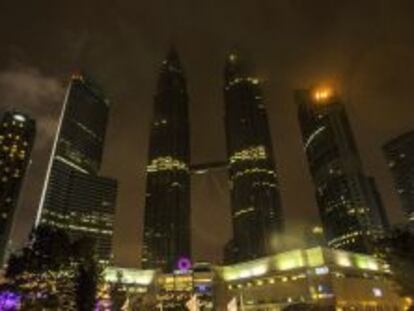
pixel 202 288
pixel 9 301
pixel 184 264
pixel 103 305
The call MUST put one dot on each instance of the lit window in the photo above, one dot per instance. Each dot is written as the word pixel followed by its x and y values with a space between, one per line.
pixel 250 154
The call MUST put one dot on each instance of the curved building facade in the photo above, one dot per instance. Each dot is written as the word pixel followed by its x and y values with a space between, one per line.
pixel 349 205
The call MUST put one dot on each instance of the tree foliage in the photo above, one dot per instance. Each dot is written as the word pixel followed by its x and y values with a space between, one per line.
pixel 87 280
pixel 54 273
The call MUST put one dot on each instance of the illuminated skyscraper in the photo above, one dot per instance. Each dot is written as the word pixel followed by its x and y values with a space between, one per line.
pixel 167 205
pixel 74 197
pixel 349 205
pixel 399 153
pixel 17 133
pixel 255 201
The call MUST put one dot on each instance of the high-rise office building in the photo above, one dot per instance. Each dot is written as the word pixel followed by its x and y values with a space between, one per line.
pixel 255 200
pixel 349 205
pixel 167 205
pixel 399 153
pixel 74 197
pixel 17 133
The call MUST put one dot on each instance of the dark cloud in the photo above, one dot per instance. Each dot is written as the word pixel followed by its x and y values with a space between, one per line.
pixel 363 48
pixel 27 90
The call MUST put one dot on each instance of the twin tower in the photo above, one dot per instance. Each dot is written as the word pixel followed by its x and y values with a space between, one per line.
pixel 255 200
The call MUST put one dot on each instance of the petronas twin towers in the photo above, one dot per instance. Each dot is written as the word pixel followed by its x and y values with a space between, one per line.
pixel 255 200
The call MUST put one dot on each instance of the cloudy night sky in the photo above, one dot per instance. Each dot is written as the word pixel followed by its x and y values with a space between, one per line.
pixel 364 49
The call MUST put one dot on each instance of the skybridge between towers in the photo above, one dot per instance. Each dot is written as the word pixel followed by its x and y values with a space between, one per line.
pixel 209 167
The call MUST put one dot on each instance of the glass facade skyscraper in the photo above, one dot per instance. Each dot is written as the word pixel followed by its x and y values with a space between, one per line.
pixel 167 203
pixel 17 134
pixel 349 205
pixel 399 154
pixel 74 197
pixel 255 200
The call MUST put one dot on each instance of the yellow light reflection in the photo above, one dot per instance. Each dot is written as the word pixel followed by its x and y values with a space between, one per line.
pixel 343 260
pixel 315 257
pixel 366 263
pixel 259 270
pixel 290 260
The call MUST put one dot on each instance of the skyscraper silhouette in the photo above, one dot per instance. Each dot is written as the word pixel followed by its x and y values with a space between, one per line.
pixel 255 200
pixel 167 205
pixel 399 153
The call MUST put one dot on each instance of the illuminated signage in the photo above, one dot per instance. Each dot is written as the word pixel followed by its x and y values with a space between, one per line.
pixel 322 270
pixel 184 264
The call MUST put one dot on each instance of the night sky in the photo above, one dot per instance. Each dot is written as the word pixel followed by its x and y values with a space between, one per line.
pixel 365 49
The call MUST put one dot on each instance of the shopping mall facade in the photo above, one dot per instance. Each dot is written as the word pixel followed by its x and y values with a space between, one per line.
pixel 324 277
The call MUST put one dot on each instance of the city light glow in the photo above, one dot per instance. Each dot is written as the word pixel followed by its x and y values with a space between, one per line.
pixel 314 257
pixel 232 57
pixel 129 276
pixel 322 270
pixel 9 301
pixel 253 153
pixel 259 270
pixel 366 263
pixel 343 260
pixel 290 260
pixel 184 264
pixel 166 163
pixel 322 94
pixel 377 292
pixel 19 117
pixel 317 230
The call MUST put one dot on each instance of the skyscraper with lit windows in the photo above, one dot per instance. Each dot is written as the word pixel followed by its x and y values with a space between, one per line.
pixel 399 153
pixel 75 198
pixel 167 203
pixel 255 200
pixel 17 134
pixel 349 206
